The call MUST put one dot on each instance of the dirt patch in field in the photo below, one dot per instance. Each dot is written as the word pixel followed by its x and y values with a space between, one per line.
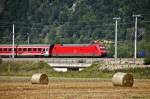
pixel 74 89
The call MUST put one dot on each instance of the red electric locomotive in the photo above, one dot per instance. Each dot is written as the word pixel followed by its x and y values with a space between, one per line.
pixel 57 50
pixel 81 50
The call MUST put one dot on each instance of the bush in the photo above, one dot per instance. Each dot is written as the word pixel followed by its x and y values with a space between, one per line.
pixel 147 61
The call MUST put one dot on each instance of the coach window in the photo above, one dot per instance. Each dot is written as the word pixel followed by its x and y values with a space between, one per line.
pixel 39 49
pixel 0 49
pixel 10 49
pixel 24 49
pixel 19 49
pixel 29 49
pixel 34 49
pixel 15 49
pixel 43 49
pixel 5 49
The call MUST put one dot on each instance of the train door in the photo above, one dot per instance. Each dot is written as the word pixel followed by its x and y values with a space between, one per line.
pixel 46 52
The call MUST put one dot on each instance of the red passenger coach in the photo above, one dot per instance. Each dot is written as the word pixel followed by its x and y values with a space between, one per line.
pixel 24 50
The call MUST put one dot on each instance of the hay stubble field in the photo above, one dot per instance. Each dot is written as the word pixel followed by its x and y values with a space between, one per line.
pixel 73 89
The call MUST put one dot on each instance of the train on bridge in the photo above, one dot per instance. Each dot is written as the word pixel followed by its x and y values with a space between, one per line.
pixel 57 50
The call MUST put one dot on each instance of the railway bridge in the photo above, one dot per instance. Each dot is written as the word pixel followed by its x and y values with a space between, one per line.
pixel 69 66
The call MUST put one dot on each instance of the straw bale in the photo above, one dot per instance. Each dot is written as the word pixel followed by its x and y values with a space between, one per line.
pixel 123 79
pixel 39 78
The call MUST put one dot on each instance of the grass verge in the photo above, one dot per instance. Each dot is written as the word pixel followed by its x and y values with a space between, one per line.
pixel 28 68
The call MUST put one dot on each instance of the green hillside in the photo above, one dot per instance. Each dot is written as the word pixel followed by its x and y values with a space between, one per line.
pixel 75 21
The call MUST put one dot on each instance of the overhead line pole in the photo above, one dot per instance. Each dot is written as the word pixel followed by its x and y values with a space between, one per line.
pixel 135 36
pixel 28 38
pixel 116 30
pixel 13 42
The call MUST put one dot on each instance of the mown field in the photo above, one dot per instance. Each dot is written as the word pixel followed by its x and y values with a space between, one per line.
pixel 59 88
pixel 91 83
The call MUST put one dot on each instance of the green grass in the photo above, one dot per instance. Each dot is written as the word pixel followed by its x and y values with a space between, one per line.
pixel 23 68
pixel 28 68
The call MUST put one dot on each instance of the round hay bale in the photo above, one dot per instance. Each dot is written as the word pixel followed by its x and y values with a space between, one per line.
pixel 122 79
pixel 39 78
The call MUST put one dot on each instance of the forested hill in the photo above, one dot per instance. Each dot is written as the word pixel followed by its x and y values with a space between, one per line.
pixel 72 21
